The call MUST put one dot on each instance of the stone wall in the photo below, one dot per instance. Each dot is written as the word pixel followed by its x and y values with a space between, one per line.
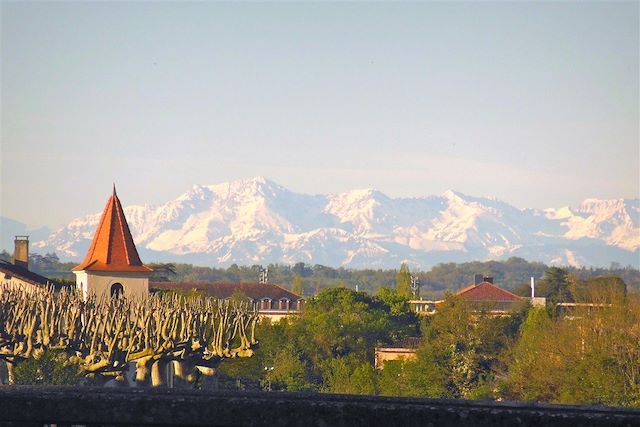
pixel 22 406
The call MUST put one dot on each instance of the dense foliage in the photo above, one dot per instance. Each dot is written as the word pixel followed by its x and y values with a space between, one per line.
pixel 332 341
pixel 49 367
pixel 587 355
pixel 593 357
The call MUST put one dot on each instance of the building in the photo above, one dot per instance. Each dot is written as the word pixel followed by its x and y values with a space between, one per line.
pixel 112 266
pixel 578 310
pixel 17 273
pixel 272 302
pixel 424 307
pixel 403 350
pixel 483 294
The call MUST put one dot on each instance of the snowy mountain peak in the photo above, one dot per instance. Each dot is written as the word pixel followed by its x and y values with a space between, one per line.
pixel 456 197
pixel 453 195
pixel 256 220
pixel 359 195
pixel 196 192
pixel 593 205
pixel 259 187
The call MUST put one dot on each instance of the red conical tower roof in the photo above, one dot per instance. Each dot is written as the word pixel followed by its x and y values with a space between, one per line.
pixel 112 248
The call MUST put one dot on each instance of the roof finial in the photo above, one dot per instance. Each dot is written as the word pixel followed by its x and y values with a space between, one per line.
pixel 114 188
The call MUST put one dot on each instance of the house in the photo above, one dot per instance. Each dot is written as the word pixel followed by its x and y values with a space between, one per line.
pixel 272 301
pixel 483 294
pixel 17 273
pixel 403 350
pixel 112 266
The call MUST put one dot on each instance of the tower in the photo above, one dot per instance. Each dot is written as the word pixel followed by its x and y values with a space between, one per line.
pixel 112 266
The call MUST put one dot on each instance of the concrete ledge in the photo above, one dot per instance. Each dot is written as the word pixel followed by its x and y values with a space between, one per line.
pixel 21 406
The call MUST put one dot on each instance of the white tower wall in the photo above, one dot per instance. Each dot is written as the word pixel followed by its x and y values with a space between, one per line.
pixel 134 285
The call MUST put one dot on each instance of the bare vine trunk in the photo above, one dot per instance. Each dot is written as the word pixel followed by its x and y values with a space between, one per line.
pixel 159 373
pixel 11 378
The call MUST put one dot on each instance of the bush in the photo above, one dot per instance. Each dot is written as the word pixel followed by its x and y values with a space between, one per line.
pixel 49 368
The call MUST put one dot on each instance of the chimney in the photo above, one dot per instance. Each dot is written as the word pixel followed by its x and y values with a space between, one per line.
pixel 477 279
pixel 21 251
pixel 533 287
pixel 488 279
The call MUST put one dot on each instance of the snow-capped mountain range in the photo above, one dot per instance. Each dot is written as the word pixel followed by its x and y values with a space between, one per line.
pixel 257 221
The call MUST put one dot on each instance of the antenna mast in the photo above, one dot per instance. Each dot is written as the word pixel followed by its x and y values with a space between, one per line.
pixel 415 286
pixel 263 275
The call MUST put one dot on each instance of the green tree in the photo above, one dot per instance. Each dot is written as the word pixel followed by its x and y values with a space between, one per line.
pixel 392 381
pixel 340 321
pixel 363 379
pixel 301 269
pixel 450 335
pixel 468 346
pixel 555 285
pixel 398 303
pixel 591 356
pixel 604 289
pixel 424 377
pixel 49 368
pixel 405 319
pixel 527 379
pixel 335 374
pixel 163 272
pixel 290 371
pixel 403 281
pixel 298 286
pixel 348 375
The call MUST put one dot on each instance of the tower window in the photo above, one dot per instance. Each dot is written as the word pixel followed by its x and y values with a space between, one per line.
pixel 117 290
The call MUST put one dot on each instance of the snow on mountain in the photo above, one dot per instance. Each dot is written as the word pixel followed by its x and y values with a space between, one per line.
pixel 258 221
pixel 616 222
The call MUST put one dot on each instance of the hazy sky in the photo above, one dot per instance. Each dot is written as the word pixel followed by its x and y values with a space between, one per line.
pixel 535 103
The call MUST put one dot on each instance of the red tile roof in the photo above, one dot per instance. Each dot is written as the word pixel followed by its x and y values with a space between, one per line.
pixel 112 248
pixel 486 292
pixel 222 290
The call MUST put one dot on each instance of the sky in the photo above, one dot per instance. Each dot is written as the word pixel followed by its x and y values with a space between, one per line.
pixel 533 103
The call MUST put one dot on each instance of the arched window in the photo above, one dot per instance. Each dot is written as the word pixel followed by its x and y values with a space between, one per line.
pixel 117 290
pixel 283 304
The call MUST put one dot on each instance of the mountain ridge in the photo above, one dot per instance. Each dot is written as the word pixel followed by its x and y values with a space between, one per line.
pixel 257 221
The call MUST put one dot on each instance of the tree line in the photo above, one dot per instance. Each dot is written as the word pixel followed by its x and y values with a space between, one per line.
pixel 512 274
